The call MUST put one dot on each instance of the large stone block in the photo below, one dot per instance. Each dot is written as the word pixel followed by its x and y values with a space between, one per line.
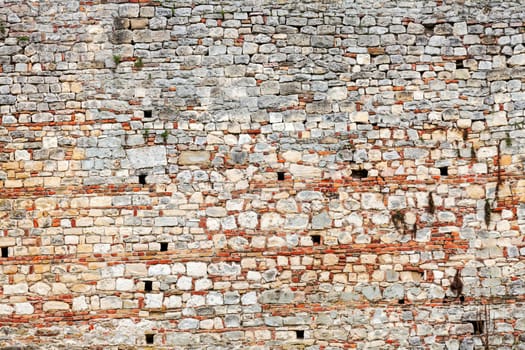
pixel 194 158
pixel 147 157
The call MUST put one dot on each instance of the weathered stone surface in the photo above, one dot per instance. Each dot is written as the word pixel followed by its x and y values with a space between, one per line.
pixel 224 269
pixel 194 158
pixel 147 157
pixel 276 297
pixel 517 60
pixel 55 306
pixel 302 171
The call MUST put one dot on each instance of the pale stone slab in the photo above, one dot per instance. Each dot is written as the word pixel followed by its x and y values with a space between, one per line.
pixel 194 158
pixel 147 157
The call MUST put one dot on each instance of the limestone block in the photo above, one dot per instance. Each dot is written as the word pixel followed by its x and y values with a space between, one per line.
pixel 124 284
pixel 128 10
pixel 330 259
pixel 7 241
pixel 111 302
pixel 394 291
pixel 337 93
pixel 139 23
pixel 136 270
pixel 276 296
pixel 410 276
pixel 321 221
pixel 196 269
pixel 194 158
pixel 180 339
pixel 159 270
pixel 216 212
pixel 372 201
pixel 288 205
pixel 24 308
pixel 517 60
pixel 147 157
pixel 296 221
pixel 185 283
pixel 248 219
pixel 214 298
pixel 6 309
pixel 153 301
pixel 497 119
pixel 49 142
pixel 55 306
pixel 307 196
pixel 271 221
pixel 224 269
pixel 19 288
pixel 173 301
pixel 303 171
pixel 475 191
pixel 188 323
pixel 359 117
pixel 166 221
pixel 80 303
pixel 372 293
pixel 40 288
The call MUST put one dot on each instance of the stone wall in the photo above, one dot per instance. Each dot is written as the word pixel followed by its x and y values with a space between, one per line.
pixel 262 174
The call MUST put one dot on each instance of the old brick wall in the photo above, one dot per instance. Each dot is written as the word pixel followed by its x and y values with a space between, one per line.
pixel 262 174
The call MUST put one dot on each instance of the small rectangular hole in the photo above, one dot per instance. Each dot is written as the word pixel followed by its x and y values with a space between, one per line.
pixel 299 334
pixel 316 239
pixel 478 326
pixel 280 175
pixel 443 171
pixel 148 114
pixel 459 64
pixel 142 179
pixel 148 286
pixel 150 338
pixel 5 252
pixel 359 173
pixel 401 301
pixel 164 246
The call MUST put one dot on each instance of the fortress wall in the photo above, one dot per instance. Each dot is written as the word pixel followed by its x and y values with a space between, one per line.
pixel 262 174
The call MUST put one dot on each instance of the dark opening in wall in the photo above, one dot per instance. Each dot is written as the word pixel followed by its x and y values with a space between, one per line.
pixel 280 175
pixel 149 338
pixel 5 252
pixel 359 173
pixel 299 334
pixel 478 325
pixel 401 301
pixel 148 114
pixel 148 286
pixel 462 298
pixel 164 246
pixel 443 171
pixel 459 64
pixel 142 179
pixel 316 239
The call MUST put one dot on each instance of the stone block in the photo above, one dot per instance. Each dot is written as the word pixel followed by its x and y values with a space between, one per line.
pixel 304 171
pixel 194 158
pixel 55 306
pixel 7 241
pixel 197 269
pixel 276 296
pixel 147 157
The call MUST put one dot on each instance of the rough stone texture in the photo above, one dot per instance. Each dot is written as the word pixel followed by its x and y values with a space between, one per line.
pixel 224 174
